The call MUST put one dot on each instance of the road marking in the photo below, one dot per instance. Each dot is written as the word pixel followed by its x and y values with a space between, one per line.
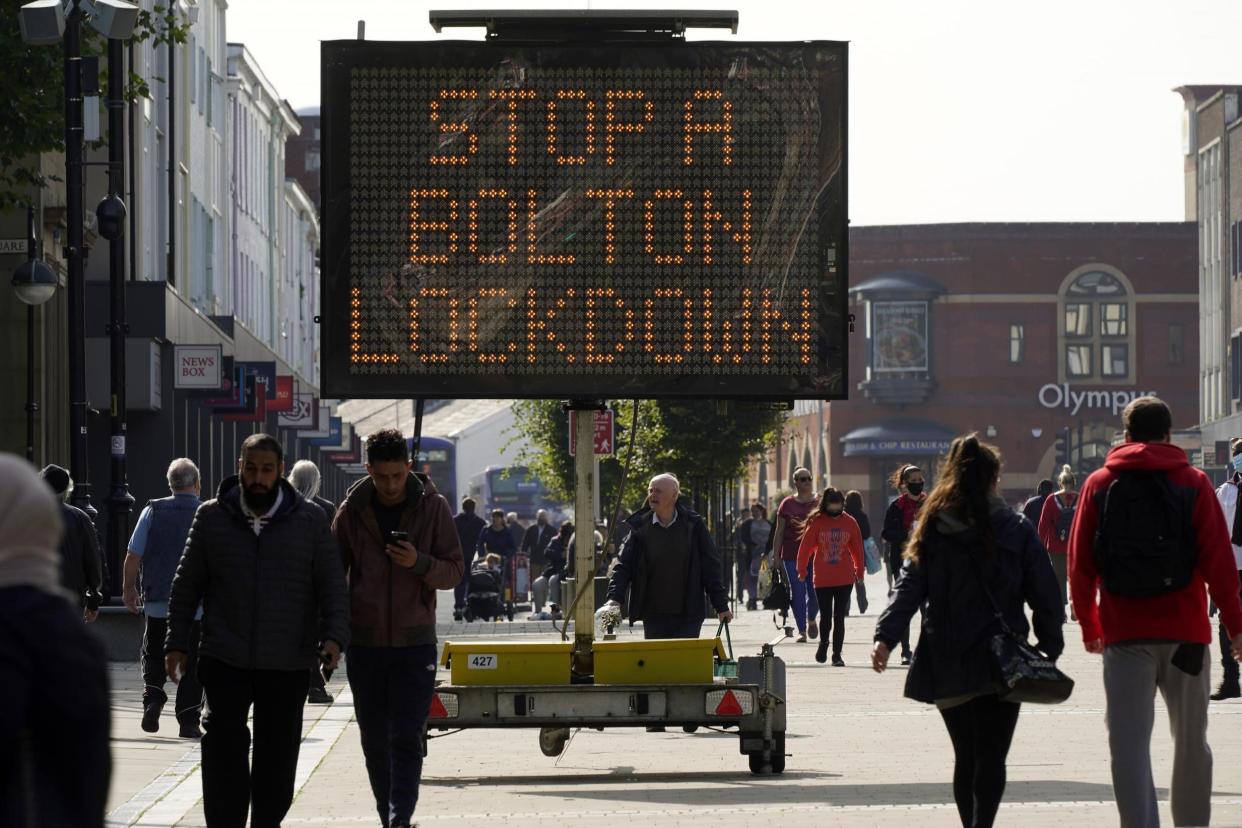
pixel 175 792
pixel 718 811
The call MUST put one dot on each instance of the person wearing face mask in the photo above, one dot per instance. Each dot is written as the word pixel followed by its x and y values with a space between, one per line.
pixel 791 515
pixel 1227 494
pixel 898 524
pixel 832 541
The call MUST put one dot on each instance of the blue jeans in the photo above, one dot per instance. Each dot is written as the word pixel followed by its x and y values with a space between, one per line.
pixel 805 606
pixel 392 689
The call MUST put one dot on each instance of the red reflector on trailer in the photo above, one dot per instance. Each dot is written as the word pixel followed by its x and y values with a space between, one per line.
pixel 729 705
pixel 437 708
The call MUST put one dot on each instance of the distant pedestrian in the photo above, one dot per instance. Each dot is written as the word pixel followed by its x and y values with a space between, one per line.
pixel 305 477
pixel 155 549
pixel 1055 523
pixel 496 538
pixel 55 760
pixel 666 564
pixel 469 526
pixel 81 564
pixel 516 529
pixel 832 543
pixel 854 508
pixel 399 545
pixel 1148 536
pixel 791 515
pixel 899 520
pixel 262 563
pixel 1227 494
pixel 752 538
pixel 536 539
pixel 1033 508
pixel 558 553
pixel 968 550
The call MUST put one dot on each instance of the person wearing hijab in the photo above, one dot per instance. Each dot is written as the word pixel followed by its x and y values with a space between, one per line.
pixel 55 765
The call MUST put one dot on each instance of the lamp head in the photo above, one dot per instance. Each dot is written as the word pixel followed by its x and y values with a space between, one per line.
pixel 114 19
pixel 34 282
pixel 42 22
pixel 111 217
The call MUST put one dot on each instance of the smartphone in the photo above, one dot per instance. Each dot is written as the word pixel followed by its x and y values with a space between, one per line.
pixel 393 537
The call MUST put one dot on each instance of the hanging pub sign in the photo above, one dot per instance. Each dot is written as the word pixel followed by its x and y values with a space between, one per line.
pixel 613 220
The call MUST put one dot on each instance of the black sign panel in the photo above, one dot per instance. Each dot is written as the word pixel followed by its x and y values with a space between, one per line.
pixel 663 220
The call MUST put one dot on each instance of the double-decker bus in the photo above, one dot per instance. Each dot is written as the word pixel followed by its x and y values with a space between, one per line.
pixel 437 458
pixel 511 489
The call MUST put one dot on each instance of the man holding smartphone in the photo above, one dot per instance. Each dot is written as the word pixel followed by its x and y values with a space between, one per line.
pixel 399 545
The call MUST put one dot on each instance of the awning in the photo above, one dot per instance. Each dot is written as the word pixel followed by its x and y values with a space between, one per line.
pixel 898 437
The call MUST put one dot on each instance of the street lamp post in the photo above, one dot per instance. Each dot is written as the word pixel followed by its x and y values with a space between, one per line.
pixel 75 257
pixel 111 214
pixel 34 283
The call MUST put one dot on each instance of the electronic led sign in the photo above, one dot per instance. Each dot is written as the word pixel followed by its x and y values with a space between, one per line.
pixel 664 220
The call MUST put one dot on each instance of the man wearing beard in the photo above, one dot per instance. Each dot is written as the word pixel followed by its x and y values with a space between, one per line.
pixel 261 561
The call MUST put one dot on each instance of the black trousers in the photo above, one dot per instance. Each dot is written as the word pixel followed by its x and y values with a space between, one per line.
pixel 671 626
pixel 834 605
pixel 1227 663
pixel 230 787
pixel 189 700
pixel 981 731
pixel 392 689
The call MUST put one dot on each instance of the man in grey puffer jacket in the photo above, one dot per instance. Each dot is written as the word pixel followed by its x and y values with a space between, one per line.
pixel 267 571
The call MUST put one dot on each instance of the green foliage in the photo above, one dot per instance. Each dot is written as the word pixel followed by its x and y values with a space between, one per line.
pixel 32 93
pixel 694 439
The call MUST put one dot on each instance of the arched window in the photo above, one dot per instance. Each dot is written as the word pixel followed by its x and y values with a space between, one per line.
pixel 1097 327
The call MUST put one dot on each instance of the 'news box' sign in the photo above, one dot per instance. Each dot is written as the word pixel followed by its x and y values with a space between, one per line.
pixel 197 366
pixel 632 220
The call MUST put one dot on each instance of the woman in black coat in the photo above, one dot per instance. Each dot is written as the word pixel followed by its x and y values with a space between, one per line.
pixel 967 537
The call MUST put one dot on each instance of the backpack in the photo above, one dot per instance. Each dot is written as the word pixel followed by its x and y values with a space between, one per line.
pixel 1145 544
pixel 1065 520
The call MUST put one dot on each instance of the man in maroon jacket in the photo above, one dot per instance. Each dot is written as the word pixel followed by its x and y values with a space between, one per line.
pixel 1157 640
pixel 399 546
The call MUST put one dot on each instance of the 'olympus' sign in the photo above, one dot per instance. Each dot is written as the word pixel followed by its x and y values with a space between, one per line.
pixel 1062 396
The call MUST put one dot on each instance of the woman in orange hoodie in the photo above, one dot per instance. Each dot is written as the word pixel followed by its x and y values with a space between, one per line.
pixel 834 542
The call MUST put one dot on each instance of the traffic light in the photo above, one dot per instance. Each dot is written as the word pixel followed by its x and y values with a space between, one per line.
pixel 1063 447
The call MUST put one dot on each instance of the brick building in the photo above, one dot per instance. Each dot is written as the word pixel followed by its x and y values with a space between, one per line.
pixel 302 159
pixel 1016 331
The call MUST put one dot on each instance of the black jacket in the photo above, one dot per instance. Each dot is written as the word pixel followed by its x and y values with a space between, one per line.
pixel 329 508
pixel 1033 508
pixel 558 558
pixel 268 600
pixel 952 657
pixel 535 542
pixel 469 526
pixel 81 567
pixel 703 575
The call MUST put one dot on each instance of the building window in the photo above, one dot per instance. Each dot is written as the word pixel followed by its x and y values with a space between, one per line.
pixel 1095 320
pixel 312 160
pixel 1114 360
pixel 1235 367
pixel 1078 361
pixel 1177 344
pixel 1017 343
pixel 1077 319
pixel 1113 319
pixel 899 343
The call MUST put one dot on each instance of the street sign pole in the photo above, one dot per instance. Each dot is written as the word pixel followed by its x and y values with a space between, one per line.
pixel 584 546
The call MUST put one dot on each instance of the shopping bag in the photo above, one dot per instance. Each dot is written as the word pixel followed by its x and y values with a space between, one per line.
pixel 871 556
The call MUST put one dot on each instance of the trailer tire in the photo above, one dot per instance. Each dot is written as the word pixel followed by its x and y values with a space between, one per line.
pixel 778 757
pixel 552 740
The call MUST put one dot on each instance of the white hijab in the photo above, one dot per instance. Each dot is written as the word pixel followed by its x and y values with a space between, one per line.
pixel 30 528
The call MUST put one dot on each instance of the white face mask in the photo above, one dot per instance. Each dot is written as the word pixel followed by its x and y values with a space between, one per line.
pixel 1236 463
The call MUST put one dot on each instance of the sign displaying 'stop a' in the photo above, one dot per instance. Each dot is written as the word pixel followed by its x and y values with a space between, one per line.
pixel 615 221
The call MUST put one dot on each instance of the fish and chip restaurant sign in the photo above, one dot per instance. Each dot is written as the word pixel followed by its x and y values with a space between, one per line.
pixel 197 366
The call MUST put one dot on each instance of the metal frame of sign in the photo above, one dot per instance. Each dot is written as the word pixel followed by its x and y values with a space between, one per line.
pixel 373 277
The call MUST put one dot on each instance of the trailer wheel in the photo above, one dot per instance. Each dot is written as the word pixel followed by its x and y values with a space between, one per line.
pixel 552 740
pixel 778 757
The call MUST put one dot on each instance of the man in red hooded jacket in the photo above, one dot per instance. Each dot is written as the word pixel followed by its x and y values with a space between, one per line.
pixel 1158 642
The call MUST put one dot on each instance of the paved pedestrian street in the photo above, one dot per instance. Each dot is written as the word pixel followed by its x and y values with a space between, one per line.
pixel 860 754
